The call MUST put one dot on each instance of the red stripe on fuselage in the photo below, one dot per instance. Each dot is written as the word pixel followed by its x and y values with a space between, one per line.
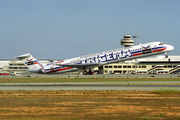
pixel 40 66
pixel 158 50
pixel 59 62
pixel 66 68
pixel 137 54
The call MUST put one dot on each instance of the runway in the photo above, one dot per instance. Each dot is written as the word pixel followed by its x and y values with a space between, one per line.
pixel 96 76
pixel 71 87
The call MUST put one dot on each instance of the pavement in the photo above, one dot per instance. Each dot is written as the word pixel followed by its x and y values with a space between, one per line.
pixel 102 86
pixel 95 76
pixel 132 86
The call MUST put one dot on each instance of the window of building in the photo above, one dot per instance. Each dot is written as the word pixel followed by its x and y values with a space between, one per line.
pixel 106 66
pixel 115 66
pixel 23 67
pixel 139 66
pixel 110 66
pixel 13 67
pixel 174 65
pixel 124 66
pixel 119 66
pixel 134 66
pixel 20 64
pixel 117 72
pixel 143 66
pixel 169 66
pixel 129 66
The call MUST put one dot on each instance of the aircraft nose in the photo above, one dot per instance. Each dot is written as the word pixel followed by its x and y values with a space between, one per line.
pixel 170 47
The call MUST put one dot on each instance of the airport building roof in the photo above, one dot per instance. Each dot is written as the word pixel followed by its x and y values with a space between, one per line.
pixel 160 58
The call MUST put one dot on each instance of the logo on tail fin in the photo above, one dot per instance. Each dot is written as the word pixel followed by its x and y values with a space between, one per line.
pixel 145 48
pixel 30 62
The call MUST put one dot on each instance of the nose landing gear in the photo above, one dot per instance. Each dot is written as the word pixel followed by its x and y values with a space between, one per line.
pixel 166 56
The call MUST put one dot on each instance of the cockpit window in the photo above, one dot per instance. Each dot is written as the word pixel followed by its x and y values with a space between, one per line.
pixel 161 43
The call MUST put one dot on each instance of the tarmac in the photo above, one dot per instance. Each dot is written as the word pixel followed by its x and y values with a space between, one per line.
pixel 99 86
pixel 95 76
pixel 102 86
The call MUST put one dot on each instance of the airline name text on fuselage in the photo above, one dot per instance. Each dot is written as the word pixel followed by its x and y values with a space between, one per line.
pixel 111 55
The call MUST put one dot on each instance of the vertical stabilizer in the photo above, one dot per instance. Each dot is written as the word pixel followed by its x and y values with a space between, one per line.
pixel 32 63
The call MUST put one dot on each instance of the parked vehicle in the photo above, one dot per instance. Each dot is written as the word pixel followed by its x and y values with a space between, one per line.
pixel 16 73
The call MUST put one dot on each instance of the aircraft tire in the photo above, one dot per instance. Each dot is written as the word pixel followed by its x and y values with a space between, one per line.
pixel 84 72
pixel 90 72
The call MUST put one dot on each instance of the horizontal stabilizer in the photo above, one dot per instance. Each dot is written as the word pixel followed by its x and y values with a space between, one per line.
pixel 21 57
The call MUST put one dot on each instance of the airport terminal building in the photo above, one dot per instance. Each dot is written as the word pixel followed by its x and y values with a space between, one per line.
pixel 153 65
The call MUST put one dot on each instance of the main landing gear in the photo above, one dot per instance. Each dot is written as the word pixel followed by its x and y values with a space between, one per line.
pixel 89 73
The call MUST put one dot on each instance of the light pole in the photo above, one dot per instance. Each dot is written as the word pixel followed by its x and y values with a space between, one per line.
pixel 135 39
pixel 135 44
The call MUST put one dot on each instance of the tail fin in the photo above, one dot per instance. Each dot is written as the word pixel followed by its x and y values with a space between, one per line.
pixel 32 63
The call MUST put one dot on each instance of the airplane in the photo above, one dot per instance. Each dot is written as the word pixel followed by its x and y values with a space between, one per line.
pixel 97 59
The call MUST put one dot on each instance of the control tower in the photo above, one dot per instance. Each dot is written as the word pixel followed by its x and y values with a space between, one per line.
pixel 126 41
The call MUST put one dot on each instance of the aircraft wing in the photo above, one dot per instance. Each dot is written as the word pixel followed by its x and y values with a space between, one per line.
pixel 87 65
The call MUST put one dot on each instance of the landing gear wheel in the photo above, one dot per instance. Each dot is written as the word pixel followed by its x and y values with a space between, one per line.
pixel 166 55
pixel 84 72
pixel 90 72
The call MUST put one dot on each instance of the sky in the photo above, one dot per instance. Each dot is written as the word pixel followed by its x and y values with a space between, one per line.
pixel 61 29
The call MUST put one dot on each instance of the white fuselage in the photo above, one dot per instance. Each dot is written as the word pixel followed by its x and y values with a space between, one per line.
pixel 96 59
pixel 111 56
